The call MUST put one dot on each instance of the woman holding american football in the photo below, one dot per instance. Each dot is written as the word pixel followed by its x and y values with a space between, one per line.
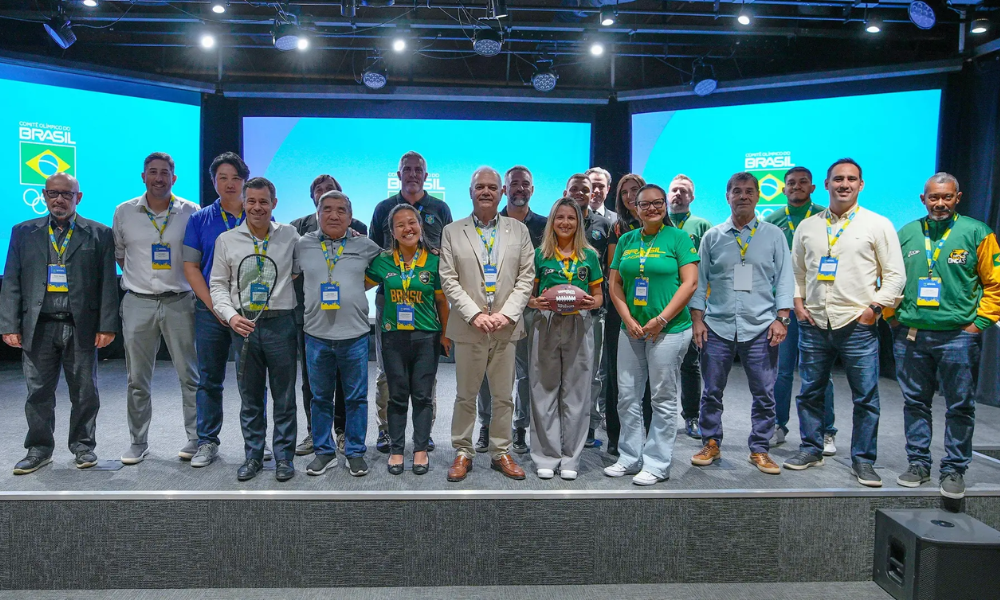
pixel 567 287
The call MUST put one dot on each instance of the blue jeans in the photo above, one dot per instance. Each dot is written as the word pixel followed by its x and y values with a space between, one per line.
pixel 212 343
pixel 271 357
pixel 788 360
pixel 325 358
pixel 760 362
pixel 857 346
pixel 948 360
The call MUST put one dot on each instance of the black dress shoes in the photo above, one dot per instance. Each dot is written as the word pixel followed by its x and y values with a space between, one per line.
pixel 249 470
pixel 284 470
pixel 30 464
pixel 420 469
pixel 396 469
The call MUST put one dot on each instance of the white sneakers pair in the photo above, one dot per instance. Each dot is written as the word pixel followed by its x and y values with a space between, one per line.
pixel 550 473
pixel 640 477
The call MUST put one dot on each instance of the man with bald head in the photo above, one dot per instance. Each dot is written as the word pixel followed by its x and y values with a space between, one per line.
pixel 487 273
pixel 59 304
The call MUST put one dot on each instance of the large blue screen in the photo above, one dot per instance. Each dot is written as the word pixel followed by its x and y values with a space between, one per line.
pixel 363 154
pixel 100 138
pixel 893 136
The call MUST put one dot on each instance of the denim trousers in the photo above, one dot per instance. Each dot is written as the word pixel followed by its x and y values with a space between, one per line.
pixel 945 360
pixel 658 362
pixel 338 398
pixel 760 362
pixel 212 343
pixel 270 356
pixel 857 346
pixel 348 358
pixel 788 361
pixel 410 359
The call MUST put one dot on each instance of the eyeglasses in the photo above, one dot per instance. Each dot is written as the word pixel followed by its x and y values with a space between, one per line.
pixel 657 204
pixel 53 194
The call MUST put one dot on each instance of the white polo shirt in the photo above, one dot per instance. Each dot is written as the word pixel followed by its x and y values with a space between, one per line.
pixel 135 235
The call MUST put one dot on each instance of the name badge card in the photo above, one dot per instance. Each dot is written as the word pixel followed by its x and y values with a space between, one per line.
pixel 640 291
pixel 258 296
pixel 929 291
pixel 329 296
pixel 490 275
pixel 56 280
pixel 827 268
pixel 161 257
pixel 404 317
pixel 743 278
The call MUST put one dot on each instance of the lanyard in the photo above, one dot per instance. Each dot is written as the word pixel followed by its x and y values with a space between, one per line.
pixel 331 262
pixel 161 230
pixel 932 259
pixel 488 243
pixel 831 239
pixel 680 224
pixel 262 250
pixel 743 247
pixel 568 270
pixel 226 219
pixel 644 252
pixel 791 226
pixel 406 275
pixel 60 250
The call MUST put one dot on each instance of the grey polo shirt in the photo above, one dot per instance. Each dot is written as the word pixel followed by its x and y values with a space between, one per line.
pixel 351 319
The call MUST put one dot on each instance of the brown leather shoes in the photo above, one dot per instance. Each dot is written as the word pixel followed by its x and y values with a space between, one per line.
pixel 709 454
pixel 460 468
pixel 506 465
pixel 762 460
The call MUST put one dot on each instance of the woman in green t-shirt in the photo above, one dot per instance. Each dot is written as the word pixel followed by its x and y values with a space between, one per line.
pixel 413 332
pixel 653 275
pixel 562 348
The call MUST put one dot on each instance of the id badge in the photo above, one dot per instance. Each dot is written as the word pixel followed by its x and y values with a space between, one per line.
pixel 827 268
pixel 640 291
pixel 743 278
pixel 56 280
pixel 404 317
pixel 329 296
pixel 258 296
pixel 490 275
pixel 161 257
pixel 929 291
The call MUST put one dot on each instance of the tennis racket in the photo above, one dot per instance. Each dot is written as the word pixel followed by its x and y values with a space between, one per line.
pixel 256 277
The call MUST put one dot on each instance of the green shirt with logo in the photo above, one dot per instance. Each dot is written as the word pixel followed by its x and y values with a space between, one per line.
pixel 692 225
pixel 668 251
pixel 424 286
pixel 550 272
pixel 796 214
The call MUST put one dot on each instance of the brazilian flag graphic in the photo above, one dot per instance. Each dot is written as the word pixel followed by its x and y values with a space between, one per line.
pixel 40 161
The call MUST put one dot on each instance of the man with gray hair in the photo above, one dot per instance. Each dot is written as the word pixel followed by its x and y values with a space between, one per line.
pixel 435 214
pixel 487 273
pixel 952 294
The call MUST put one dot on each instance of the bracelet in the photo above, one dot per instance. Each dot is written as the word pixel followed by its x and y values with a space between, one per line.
pixel 661 320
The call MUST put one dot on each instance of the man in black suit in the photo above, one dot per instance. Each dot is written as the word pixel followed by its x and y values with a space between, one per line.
pixel 59 303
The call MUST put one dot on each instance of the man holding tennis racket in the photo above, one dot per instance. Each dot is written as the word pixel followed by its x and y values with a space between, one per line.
pixel 252 291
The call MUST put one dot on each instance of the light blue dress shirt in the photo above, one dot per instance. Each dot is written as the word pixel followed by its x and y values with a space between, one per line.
pixel 742 316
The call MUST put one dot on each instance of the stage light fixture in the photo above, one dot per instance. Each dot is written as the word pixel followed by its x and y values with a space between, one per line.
pixel 90 3
pixel 544 78
pixel 703 78
pixel 286 36
pixel 608 14
pixel 597 48
pixel 980 26
pixel 497 9
pixel 745 16
pixel 303 43
pixel 349 8
pixel 374 77
pixel 922 14
pixel 873 24
pixel 207 40
pixel 399 44
pixel 488 42
pixel 218 8
pixel 61 30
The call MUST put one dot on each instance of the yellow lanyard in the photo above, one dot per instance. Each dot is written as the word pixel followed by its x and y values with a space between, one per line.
pixel 406 275
pixel 331 262
pixel 152 218
pixel 567 270
pixel 933 258
pixel 831 239
pixel 644 252
pixel 226 219
pixel 61 249
pixel 743 247
pixel 791 226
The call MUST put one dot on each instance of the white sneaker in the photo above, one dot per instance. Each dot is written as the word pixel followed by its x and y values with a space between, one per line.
pixel 647 478
pixel 567 474
pixel 616 470
pixel 829 448
pixel 546 473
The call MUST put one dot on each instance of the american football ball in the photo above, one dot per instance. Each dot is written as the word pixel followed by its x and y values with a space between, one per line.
pixel 564 299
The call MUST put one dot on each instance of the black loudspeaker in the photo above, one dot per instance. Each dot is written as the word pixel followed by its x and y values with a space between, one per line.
pixel 933 554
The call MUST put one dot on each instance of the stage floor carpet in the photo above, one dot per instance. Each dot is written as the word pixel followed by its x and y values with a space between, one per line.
pixel 164 471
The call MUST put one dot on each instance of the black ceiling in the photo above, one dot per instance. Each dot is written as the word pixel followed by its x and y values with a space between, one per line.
pixel 651 44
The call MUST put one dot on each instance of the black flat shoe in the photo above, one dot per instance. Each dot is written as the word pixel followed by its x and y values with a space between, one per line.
pixel 396 469
pixel 419 469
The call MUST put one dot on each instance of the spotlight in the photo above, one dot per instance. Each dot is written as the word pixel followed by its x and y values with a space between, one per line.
pixel 286 36
pixel 608 15
pixel 597 48
pixel 90 3
pixel 218 8
pixel 207 40
pixel 703 78
pixel 399 44
pixel 980 26
pixel 745 15
pixel 303 43
pixel 497 9
pixel 544 78
pixel 374 77
pixel 873 24
pixel 922 14
pixel 487 42
pixel 349 8
pixel 61 30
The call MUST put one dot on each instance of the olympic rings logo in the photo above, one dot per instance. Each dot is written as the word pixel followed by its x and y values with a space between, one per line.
pixel 34 198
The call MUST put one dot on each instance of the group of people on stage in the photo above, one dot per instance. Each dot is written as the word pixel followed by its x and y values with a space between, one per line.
pixel 686 298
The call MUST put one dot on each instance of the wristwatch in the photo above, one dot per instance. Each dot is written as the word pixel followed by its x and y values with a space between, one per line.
pixel 786 321
pixel 877 309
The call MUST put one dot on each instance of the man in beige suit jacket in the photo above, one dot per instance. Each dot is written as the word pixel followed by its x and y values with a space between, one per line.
pixel 487 273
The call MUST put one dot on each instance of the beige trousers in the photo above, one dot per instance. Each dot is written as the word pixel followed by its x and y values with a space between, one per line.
pixel 494 359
